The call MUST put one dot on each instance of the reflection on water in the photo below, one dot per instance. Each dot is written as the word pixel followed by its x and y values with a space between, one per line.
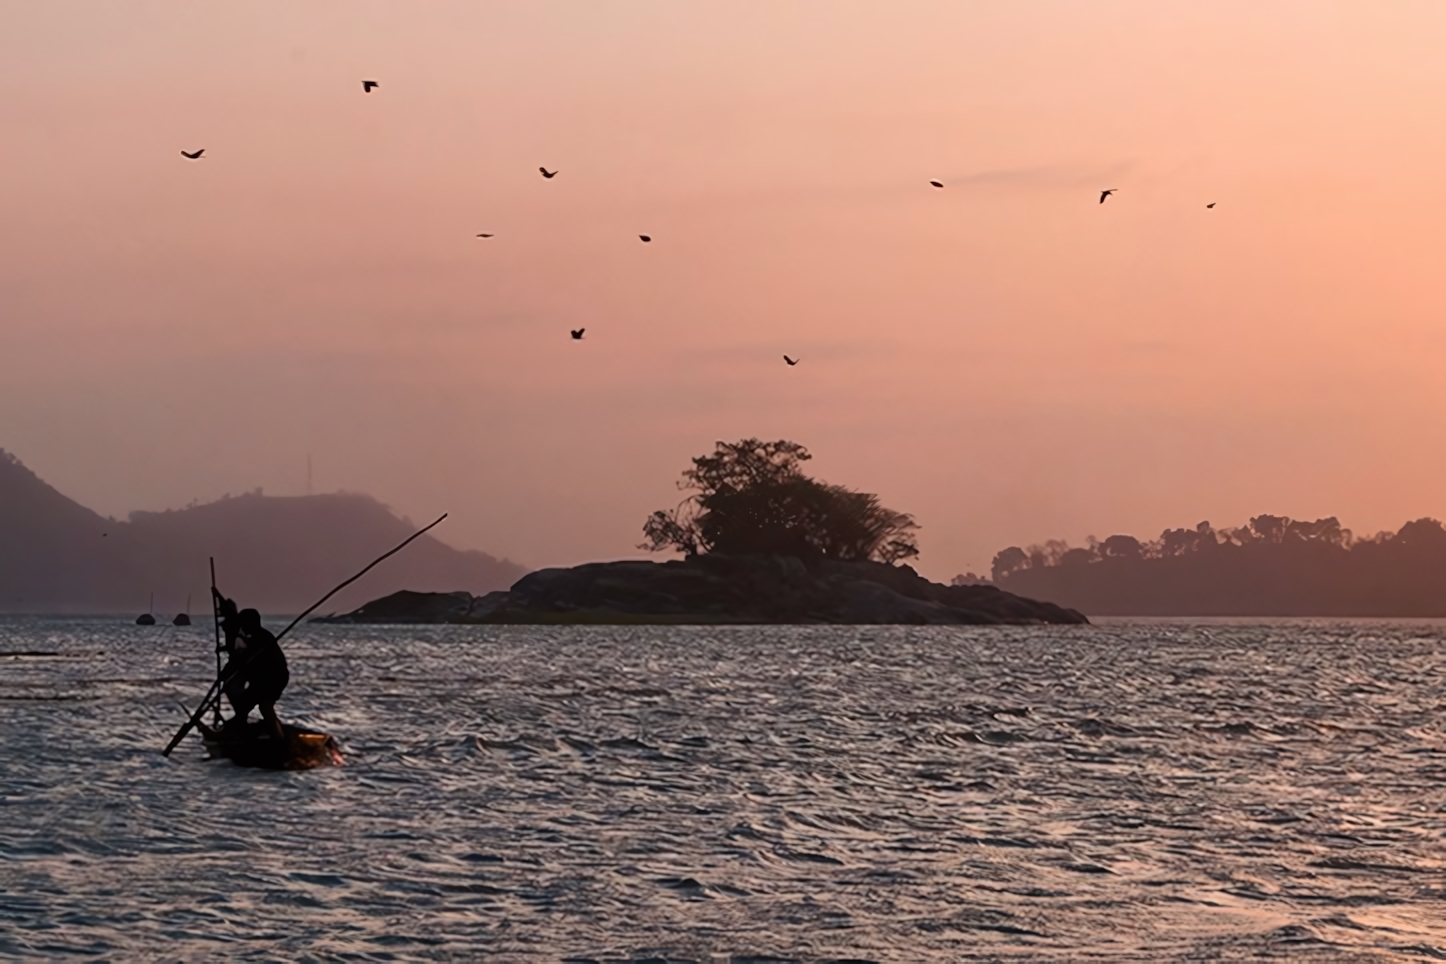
pixel 1150 792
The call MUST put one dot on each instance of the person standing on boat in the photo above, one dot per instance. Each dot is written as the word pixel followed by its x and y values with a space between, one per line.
pixel 256 673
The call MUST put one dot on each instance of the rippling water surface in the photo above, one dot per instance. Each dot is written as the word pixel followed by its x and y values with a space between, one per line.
pixel 1129 791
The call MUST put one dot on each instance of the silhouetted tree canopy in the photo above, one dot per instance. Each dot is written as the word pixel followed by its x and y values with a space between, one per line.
pixel 1274 565
pixel 752 497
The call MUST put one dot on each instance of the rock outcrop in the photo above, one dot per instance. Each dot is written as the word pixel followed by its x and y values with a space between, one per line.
pixel 720 589
pixel 422 607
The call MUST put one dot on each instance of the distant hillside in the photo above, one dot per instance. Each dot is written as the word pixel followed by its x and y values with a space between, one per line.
pixel 277 554
pixel 1274 566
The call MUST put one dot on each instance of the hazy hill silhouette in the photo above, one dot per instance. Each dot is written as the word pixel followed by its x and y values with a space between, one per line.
pixel 277 554
pixel 1274 566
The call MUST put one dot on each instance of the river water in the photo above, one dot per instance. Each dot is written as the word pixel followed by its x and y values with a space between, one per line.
pixel 1132 791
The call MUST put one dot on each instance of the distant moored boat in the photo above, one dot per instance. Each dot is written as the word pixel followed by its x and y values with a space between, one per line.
pixel 145 618
pixel 183 619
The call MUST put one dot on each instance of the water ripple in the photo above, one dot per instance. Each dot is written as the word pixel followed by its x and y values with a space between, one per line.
pixel 1147 791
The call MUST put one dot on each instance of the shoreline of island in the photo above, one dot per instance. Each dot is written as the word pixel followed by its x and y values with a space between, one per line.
pixel 720 589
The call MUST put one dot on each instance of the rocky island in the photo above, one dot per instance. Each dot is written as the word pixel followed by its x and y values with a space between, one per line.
pixel 761 543
pixel 716 588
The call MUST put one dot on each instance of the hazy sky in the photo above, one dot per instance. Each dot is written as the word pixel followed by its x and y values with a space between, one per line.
pixel 1006 358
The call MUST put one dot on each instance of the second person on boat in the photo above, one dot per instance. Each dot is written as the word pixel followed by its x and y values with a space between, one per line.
pixel 256 673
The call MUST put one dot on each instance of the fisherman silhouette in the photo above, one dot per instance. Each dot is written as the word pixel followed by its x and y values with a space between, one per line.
pixel 255 672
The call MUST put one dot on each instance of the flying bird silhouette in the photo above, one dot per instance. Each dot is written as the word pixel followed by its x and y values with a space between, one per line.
pixel 645 238
pixel 196 156
pixel 1210 205
pixel 577 333
pixel 1105 194
pixel 791 361
pixel 547 173
pixel 937 183
pixel 484 235
pixel 367 86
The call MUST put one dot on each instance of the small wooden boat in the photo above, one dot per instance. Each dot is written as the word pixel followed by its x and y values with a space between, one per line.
pixel 256 745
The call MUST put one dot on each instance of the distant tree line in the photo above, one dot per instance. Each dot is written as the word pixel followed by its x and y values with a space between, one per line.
pixel 752 498
pixel 1263 530
pixel 1275 565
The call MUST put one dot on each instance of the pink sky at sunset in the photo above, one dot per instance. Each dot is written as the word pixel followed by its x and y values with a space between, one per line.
pixel 1006 358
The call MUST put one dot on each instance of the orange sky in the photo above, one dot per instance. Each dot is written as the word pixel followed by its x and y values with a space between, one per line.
pixel 1006 358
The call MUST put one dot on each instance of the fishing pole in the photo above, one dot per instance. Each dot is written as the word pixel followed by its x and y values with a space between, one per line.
pixel 214 693
pixel 358 576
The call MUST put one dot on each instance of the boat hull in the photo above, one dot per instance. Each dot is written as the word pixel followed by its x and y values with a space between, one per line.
pixel 255 745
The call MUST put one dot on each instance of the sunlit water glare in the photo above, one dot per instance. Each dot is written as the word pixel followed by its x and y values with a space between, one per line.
pixel 1148 791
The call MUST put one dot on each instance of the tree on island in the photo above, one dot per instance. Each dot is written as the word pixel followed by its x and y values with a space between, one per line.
pixel 751 498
